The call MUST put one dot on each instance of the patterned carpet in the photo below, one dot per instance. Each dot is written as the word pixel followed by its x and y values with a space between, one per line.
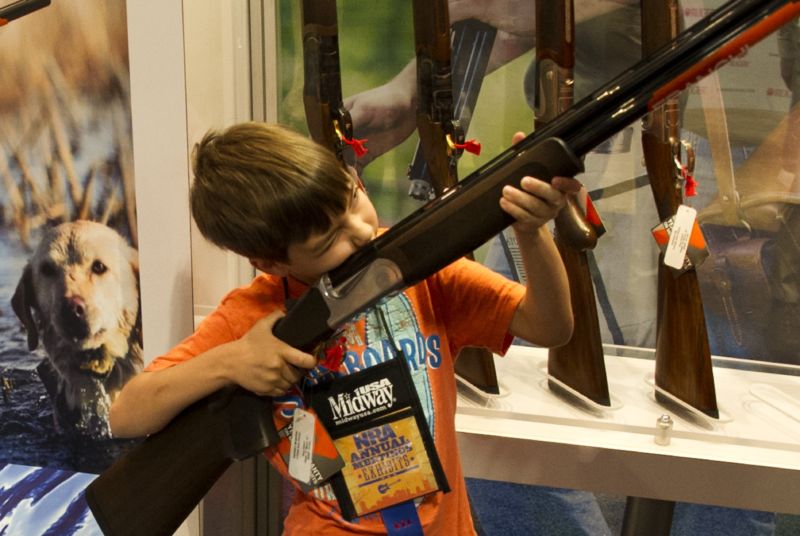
pixel 508 509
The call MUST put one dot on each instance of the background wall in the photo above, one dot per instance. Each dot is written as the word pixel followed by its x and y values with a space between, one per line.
pixel 217 39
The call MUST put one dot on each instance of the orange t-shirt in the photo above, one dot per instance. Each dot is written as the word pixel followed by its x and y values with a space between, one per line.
pixel 465 304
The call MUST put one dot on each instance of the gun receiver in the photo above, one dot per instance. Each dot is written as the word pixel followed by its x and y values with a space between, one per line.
pixel 438 129
pixel 19 9
pixel 683 358
pixel 444 229
pixel 441 134
pixel 471 48
pixel 328 122
pixel 580 363
pixel 555 62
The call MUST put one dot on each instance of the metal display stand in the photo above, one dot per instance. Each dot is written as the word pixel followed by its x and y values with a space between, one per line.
pixel 647 516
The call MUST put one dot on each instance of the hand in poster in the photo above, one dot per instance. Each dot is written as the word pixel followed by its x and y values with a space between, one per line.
pixel 385 115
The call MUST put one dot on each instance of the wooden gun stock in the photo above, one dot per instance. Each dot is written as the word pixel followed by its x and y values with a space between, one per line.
pixel 155 486
pixel 683 358
pixel 580 363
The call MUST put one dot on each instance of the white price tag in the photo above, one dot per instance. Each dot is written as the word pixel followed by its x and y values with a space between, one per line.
pixel 679 235
pixel 302 445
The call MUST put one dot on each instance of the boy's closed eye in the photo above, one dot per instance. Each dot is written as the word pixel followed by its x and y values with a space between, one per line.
pixel 325 244
pixel 320 249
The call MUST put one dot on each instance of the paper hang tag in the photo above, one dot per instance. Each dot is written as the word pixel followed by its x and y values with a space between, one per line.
pixel 680 239
pixel 325 460
pixel 302 450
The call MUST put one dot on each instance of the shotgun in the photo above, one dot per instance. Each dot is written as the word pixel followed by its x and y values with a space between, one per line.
pixel 235 424
pixel 580 363
pixel 328 122
pixel 19 9
pixel 442 134
pixel 683 358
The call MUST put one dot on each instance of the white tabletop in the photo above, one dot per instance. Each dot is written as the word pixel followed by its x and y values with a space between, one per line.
pixel 748 458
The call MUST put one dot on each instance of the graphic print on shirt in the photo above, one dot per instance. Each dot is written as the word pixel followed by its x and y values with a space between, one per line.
pixel 420 352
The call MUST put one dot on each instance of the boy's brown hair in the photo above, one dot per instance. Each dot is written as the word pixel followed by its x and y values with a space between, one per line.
pixel 260 187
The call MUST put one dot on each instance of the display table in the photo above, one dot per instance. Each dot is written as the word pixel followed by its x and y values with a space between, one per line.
pixel 749 458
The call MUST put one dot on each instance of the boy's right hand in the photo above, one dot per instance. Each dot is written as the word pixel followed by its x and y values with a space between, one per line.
pixel 266 365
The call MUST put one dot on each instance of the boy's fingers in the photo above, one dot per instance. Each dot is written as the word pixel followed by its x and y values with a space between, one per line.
pixel 280 388
pixel 292 374
pixel 566 185
pixel 512 210
pixel 539 189
pixel 517 137
pixel 299 359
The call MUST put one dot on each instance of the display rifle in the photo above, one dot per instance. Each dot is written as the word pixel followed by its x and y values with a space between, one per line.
pixel 328 121
pixel 439 130
pixel 442 133
pixel 579 364
pixel 555 64
pixel 19 9
pixel 154 486
pixel 683 358
pixel 472 42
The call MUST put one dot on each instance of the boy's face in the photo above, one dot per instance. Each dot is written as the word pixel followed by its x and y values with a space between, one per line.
pixel 322 252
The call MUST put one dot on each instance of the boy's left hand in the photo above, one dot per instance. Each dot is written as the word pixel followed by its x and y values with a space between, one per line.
pixel 535 202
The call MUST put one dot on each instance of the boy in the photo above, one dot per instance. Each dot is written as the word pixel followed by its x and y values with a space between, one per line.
pixel 285 203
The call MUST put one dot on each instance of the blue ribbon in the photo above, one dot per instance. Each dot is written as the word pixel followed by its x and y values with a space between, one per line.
pixel 402 520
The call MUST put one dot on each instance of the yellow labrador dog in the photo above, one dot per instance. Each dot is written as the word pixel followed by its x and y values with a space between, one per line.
pixel 79 294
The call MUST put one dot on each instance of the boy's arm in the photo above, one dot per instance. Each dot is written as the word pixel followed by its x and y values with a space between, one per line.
pixel 544 317
pixel 258 362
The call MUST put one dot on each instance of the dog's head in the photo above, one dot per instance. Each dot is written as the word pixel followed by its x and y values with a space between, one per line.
pixel 79 292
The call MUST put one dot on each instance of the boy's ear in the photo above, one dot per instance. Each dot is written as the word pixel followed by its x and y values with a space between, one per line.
pixel 271 267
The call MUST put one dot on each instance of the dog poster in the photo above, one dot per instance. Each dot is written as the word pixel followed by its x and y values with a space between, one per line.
pixel 70 321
